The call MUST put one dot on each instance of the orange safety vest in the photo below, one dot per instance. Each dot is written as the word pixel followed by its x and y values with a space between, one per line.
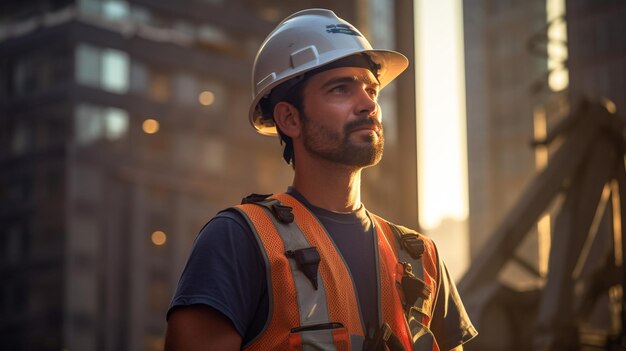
pixel 323 314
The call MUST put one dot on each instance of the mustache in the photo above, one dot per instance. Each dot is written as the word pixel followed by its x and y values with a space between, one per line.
pixel 368 122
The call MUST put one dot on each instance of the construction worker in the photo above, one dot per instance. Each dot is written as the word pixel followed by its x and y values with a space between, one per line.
pixel 312 269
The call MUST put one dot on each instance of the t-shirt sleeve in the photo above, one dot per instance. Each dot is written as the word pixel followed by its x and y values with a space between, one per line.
pixel 225 271
pixel 450 324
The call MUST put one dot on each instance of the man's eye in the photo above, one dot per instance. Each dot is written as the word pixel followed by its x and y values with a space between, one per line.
pixel 339 89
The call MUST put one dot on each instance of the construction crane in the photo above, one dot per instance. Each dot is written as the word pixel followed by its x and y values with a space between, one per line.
pixel 579 303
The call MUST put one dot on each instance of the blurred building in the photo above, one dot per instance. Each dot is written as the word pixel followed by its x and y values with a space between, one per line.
pixel 500 72
pixel 123 129
pixel 597 50
pixel 570 50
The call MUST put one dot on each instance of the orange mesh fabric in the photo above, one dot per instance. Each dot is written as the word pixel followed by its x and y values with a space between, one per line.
pixel 284 314
pixel 340 293
pixel 390 290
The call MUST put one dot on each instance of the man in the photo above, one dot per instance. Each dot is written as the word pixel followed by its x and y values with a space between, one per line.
pixel 312 269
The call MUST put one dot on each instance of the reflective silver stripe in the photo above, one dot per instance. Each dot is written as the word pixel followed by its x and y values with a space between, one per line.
pixel 378 236
pixel 268 276
pixel 423 339
pixel 316 340
pixel 312 304
pixel 357 342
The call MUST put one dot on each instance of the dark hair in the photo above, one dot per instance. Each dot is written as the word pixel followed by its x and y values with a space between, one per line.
pixel 292 92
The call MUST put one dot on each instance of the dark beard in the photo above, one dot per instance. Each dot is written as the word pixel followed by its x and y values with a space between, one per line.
pixel 331 146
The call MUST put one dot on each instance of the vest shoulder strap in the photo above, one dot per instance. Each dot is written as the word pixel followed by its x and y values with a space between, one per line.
pixel 281 212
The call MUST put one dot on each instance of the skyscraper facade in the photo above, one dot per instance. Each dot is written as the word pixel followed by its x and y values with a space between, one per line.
pixel 123 129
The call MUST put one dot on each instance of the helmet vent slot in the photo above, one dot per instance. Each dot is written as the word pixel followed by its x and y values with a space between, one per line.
pixel 303 56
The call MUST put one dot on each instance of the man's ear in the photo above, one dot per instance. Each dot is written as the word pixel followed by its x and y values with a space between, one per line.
pixel 287 119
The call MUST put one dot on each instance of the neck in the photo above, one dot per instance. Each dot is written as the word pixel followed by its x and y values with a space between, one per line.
pixel 330 186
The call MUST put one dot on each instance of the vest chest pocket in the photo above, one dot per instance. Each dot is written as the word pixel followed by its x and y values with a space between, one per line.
pixel 322 337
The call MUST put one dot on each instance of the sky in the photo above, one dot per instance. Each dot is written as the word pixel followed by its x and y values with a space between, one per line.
pixel 442 156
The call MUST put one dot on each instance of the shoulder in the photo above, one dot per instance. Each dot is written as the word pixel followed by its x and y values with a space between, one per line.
pixel 227 231
pixel 225 222
pixel 226 271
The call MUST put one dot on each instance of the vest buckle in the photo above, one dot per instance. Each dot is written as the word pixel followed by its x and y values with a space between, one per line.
pixel 413 245
pixel 413 287
pixel 282 213
pixel 254 198
pixel 307 261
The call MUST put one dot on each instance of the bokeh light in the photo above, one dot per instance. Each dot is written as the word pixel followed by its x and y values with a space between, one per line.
pixel 158 238
pixel 150 126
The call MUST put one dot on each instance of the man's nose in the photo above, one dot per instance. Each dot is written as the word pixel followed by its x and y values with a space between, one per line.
pixel 367 104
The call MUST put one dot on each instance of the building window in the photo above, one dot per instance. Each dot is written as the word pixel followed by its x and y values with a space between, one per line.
pixel 106 69
pixel 88 65
pixel 37 71
pixel 93 123
pixel 115 70
pixel 88 124
pixel 115 9
pixel 109 9
pixel 115 123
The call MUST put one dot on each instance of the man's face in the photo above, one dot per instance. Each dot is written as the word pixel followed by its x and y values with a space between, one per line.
pixel 341 117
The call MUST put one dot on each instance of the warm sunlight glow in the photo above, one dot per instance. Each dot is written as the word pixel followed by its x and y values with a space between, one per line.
pixel 558 78
pixel 609 105
pixel 544 242
pixel 441 112
pixel 150 126
pixel 617 225
pixel 442 160
pixel 540 131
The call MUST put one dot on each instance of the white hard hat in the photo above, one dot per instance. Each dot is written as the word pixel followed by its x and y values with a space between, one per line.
pixel 305 41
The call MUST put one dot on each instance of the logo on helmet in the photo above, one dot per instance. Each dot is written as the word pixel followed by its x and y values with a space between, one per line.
pixel 342 29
